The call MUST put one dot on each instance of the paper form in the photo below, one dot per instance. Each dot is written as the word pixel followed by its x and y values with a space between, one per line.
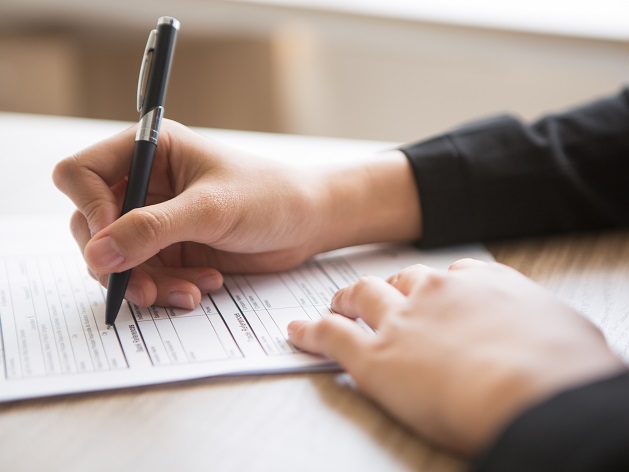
pixel 603 297
pixel 54 340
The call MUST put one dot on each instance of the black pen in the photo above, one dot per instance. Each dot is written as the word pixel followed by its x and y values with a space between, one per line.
pixel 150 103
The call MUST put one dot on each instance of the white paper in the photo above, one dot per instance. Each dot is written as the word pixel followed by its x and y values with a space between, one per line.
pixel 603 297
pixel 54 340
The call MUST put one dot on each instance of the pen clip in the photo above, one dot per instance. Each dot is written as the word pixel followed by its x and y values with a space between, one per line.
pixel 148 53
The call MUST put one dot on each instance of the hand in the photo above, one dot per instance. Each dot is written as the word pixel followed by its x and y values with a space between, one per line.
pixel 213 209
pixel 458 354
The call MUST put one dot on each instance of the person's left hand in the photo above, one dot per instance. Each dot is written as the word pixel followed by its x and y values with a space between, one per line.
pixel 458 354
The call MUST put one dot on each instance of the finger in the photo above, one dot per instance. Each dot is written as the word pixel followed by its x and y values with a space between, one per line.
pixel 79 229
pixel 466 263
pixel 335 336
pixel 183 287
pixel 108 159
pixel 412 278
pixel 146 289
pixel 87 176
pixel 170 286
pixel 370 299
pixel 140 234
pixel 141 288
pixel 206 279
pixel 81 234
pixel 175 292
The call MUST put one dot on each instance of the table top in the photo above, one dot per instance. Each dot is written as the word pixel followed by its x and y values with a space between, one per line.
pixel 260 423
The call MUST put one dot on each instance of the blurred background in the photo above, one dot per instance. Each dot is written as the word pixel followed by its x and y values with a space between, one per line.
pixel 396 70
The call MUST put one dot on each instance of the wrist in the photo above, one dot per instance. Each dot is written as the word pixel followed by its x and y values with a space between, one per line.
pixel 523 389
pixel 371 201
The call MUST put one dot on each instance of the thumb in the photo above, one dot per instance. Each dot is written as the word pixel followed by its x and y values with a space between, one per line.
pixel 141 233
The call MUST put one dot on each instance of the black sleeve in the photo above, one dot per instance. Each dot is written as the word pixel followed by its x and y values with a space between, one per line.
pixel 499 178
pixel 581 430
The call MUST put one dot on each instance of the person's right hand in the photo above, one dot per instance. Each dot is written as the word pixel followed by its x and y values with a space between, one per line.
pixel 213 209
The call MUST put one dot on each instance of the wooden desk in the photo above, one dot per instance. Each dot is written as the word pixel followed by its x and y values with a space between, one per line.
pixel 302 422
pixel 588 271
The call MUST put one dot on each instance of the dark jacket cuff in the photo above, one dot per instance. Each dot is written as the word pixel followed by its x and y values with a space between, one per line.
pixel 580 430
pixel 441 176
pixel 500 178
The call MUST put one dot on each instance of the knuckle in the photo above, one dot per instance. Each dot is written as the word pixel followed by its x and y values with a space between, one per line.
pixel 99 212
pixel 459 264
pixel 90 210
pixel 298 334
pixel 103 279
pixel 434 280
pixel 352 295
pixel 64 171
pixel 76 223
pixel 362 285
pixel 326 333
pixel 323 329
pixel 411 272
pixel 150 225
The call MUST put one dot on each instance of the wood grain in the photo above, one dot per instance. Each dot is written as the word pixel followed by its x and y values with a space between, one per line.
pixel 306 422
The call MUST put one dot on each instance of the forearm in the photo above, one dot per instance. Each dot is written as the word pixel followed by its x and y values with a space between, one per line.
pixel 583 429
pixel 371 201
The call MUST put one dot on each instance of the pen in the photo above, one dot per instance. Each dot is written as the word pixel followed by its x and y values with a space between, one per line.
pixel 150 103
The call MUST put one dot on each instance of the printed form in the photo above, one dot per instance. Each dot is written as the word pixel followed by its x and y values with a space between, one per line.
pixel 54 340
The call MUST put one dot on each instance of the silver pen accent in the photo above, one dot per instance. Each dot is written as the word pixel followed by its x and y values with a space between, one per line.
pixel 148 54
pixel 148 129
pixel 169 20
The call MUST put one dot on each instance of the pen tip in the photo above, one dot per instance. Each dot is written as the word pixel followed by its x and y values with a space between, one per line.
pixel 108 326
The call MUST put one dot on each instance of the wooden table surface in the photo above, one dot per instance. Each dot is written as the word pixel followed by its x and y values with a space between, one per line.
pixel 304 422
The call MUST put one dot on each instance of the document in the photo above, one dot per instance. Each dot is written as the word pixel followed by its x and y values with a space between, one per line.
pixel 52 317
pixel 602 296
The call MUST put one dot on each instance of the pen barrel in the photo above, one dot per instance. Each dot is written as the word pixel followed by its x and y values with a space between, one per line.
pixel 160 66
pixel 139 175
pixel 116 288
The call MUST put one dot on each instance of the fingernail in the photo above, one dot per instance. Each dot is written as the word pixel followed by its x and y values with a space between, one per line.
pixel 209 283
pixel 334 297
pixel 294 326
pixel 104 254
pixel 135 294
pixel 181 300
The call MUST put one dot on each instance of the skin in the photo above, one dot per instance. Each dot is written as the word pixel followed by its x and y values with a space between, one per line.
pixel 209 211
pixel 457 354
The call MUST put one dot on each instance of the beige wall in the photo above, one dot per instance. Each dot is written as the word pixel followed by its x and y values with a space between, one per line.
pixel 335 75
pixel 220 82
pixel 402 81
pixel 39 73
